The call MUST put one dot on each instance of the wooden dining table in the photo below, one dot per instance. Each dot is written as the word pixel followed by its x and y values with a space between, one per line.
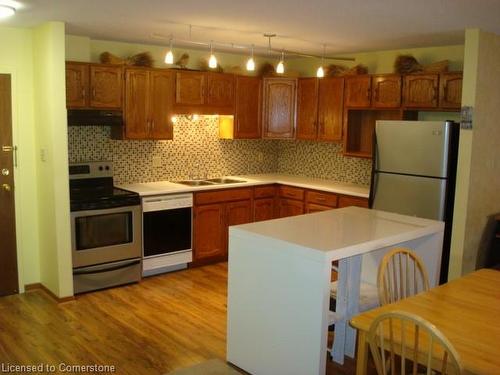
pixel 465 310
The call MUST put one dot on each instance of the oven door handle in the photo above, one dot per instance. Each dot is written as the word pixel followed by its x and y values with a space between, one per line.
pixel 101 270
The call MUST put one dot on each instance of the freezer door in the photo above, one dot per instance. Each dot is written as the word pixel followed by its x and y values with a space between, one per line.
pixel 413 147
pixel 409 195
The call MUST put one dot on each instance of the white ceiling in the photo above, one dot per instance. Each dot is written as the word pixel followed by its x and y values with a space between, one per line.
pixel 304 25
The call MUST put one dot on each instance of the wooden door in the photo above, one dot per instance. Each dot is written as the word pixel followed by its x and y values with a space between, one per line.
pixel 220 91
pixel 290 207
pixel 106 86
pixel 307 108
pixel 8 253
pixel 239 212
pixel 420 91
pixel 137 123
pixel 330 109
pixel 357 91
pixel 190 88
pixel 248 107
pixel 209 231
pixel 161 99
pixel 77 85
pixel 279 108
pixel 264 209
pixel 450 90
pixel 386 91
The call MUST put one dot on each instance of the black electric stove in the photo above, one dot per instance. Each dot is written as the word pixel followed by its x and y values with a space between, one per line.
pixel 91 188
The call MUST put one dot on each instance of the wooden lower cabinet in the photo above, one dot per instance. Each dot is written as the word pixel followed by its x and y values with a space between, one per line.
pixel 209 228
pixel 264 209
pixel 346 201
pixel 312 207
pixel 290 207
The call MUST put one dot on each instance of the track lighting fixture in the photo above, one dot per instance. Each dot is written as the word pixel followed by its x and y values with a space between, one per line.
pixel 251 62
pixel 280 68
pixel 212 61
pixel 169 57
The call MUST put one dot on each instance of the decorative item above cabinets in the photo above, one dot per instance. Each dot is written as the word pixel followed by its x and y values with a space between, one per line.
pixel 97 86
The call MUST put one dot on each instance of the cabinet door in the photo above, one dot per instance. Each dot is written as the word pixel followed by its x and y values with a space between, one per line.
pixel 190 88
pixel 106 86
pixel 290 207
pixel 264 209
pixel 137 122
pixel 450 90
pixel 421 91
pixel 386 91
pixel 77 85
pixel 357 91
pixel 307 108
pixel 330 109
pixel 209 231
pixel 248 107
pixel 220 91
pixel 279 108
pixel 312 207
pixel 161 99
pixel 346 201
pixel 237 213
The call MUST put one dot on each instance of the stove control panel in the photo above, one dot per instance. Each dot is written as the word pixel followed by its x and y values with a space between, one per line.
pixel 92 169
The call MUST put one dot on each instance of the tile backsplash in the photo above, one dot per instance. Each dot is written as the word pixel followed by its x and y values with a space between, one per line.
pixel 197 151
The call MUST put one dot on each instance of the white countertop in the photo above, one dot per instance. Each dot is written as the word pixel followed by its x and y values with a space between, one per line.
pixel 336 234
pixel 167 187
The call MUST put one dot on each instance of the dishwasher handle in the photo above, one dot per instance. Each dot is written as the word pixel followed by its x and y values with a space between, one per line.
pixel 167 202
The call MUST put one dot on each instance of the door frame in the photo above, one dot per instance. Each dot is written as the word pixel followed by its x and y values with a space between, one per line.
pixel 17 187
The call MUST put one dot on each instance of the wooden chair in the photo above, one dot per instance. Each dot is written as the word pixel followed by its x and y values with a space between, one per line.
pixel 399 341
pixel 401 274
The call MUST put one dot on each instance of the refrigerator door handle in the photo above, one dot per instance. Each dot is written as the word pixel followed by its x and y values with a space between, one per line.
pixel 373 186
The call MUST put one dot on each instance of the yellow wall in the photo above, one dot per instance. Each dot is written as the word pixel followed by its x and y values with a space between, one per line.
pixel 52 169
pixel 16 58
pixel 478 196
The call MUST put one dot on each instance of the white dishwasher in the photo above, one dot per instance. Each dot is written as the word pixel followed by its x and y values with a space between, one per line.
pixel 167 230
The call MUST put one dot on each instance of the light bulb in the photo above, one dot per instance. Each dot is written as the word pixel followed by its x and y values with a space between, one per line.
pixel 169 57
pixel 212 61
pixel 320 73
pixel 251 64
pixel 174 119
pixel 6 11
pixel 280 68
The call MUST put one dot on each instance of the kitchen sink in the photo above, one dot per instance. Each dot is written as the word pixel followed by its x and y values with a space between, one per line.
pixel 223 180
pixel 195 182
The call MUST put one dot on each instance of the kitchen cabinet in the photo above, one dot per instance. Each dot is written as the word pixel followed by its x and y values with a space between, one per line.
pixel 214 212
pixel 290 201
pixel 386 91
pixel 190 88
pixel 264 203
pixel 220 91
pixel 346 201
pixel 307 108
pixel 358 91
pixel 420 91
pixel 330 109
pixel 96 86
pixel 279 108
pixel 450 90
pixel 316 201
pixel 148 104
pixel 247 112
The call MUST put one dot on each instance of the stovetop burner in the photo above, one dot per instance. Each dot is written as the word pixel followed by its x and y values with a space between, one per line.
pixel 91 188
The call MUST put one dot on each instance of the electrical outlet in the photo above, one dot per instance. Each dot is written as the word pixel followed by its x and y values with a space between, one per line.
pixel 43 154
pixel 260 157
pixel 156 162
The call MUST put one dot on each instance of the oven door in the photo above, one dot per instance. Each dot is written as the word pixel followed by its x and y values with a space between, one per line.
pixel 107 235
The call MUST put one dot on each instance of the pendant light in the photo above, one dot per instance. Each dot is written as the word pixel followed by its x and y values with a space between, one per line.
pixel 280 68
pixel 6 11
pixel 320 73
pixel 251 62
pixel 212 61
pixel 169 57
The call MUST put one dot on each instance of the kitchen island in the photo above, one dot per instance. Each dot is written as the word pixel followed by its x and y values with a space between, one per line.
pixel 279 283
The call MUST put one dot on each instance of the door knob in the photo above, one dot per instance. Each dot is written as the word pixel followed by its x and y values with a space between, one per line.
pixel 5 172
pixel 6 187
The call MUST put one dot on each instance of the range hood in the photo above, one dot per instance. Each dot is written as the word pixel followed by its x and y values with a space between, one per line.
pixel 94 117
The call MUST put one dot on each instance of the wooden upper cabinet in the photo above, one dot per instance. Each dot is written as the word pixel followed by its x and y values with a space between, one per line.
pixel 247 116
pixel 279 108
pixel 137 101
pixel 77 85
pixel 220 91
pixel 190 88
pixel 307 108
pixel 330 109
pixel 106 86
pixel 386 91
pixel 420 90
pixel 450 90
pixel 161 99
pixel 357 91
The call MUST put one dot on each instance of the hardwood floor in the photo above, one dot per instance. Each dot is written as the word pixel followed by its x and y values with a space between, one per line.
pixel 161 324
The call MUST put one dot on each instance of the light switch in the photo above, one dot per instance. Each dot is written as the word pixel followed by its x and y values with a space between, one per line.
pixel 43 154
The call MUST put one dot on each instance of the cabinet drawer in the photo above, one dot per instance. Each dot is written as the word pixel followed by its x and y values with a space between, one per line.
pixel 222 196
pixel 267 191
pixel 291 192
pixel 324 199
pixel 312 207
pixel 346 201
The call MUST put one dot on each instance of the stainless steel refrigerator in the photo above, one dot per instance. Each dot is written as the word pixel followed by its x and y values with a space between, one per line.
pixel 414 170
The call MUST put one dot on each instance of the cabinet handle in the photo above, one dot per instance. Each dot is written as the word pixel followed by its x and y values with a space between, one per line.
pixel 368 92
pixel 445 91
pixel 321 199
pixel 376 94
pixel 93 93
pixel 83 93
pixel 153 125
pixel 434 97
